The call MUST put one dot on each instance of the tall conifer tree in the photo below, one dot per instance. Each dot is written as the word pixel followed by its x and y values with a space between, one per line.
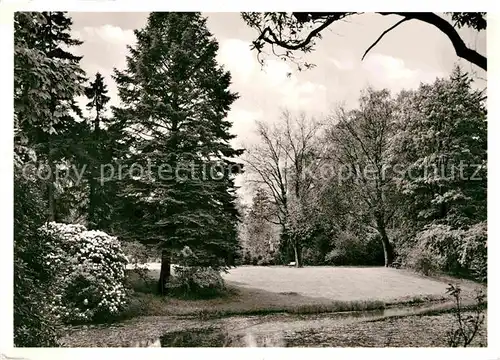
pixel 176 99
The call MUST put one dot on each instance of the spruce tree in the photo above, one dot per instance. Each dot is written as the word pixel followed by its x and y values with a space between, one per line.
pixel 48 78
pixel 97 150
pixel 176 99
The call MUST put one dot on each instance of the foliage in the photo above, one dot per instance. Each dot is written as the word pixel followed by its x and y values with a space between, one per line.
pixel 349 248
pixel 445 146
pixel 47 78
pixel 90 268
pixel 47 81
pixel 443 243
pixel 458 251
pixel 137 253
pixel 34 324
pixel 475 20
pixel 175 99
pixel 299 31
pixel 441 141
pixel 196 281
pixel 259 238
pixel 474 251
pixel 422 260
pixel 467 326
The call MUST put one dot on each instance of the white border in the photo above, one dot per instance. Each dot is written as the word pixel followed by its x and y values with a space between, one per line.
pixel 6 108
pixel 236 6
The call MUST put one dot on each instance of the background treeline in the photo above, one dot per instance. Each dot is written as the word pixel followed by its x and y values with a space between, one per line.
pixel 400 180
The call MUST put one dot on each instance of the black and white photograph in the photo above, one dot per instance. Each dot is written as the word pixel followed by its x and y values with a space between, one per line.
pixel 249 179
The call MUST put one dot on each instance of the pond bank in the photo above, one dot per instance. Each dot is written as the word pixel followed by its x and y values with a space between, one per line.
pixel 404 327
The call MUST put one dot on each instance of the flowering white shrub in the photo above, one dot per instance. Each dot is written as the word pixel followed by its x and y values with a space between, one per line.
pixel 440 247
pixel 91 271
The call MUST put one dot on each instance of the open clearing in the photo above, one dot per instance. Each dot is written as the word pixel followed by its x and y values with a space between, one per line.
pixel 337 283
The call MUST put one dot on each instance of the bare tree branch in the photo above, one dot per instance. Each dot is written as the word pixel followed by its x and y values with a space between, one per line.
pixel 446 28
pixel 275 37
pixel 382 35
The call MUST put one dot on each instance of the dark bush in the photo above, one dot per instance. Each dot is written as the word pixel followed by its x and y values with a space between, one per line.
pixel 34 324
pixel 348 249
pixel 196 282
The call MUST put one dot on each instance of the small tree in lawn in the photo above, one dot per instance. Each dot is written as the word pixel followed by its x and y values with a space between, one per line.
pixel 176 98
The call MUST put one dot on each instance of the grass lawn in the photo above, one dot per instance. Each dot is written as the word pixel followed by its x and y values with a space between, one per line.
pixel 265 290
pixel 339 283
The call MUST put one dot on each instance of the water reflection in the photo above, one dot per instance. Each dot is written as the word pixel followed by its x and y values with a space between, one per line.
pixel 147 343
pixel 208 337
pixel 263 340
pixel 268 333
pixel 216 337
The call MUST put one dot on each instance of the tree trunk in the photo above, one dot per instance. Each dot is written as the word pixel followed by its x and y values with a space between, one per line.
pixel 91 216
pixel 52 210
pixel 164 272
pixel 299 255
pixel 388 249
pixel 93 175
pixel 50 191
pixel 298 260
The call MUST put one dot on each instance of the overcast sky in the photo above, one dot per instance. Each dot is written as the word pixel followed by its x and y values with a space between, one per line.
pixel 411 54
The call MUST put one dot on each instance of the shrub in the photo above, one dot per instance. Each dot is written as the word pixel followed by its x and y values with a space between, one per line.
pixel 265 260
pixel 457 251
pixel 473 251
pixel 138 255
pixel 466 326
pixel 196 281
pixel 191 280
pixel 423 261
pixel 139 280
pixel 335 257
pixel 348 250
pixel 34 323
pixel 91 273
pixel 441 244
pixel 136 252
pixel 312 256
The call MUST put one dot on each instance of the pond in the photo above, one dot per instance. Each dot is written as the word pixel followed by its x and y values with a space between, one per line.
pixel 255 332
pixel 216 337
